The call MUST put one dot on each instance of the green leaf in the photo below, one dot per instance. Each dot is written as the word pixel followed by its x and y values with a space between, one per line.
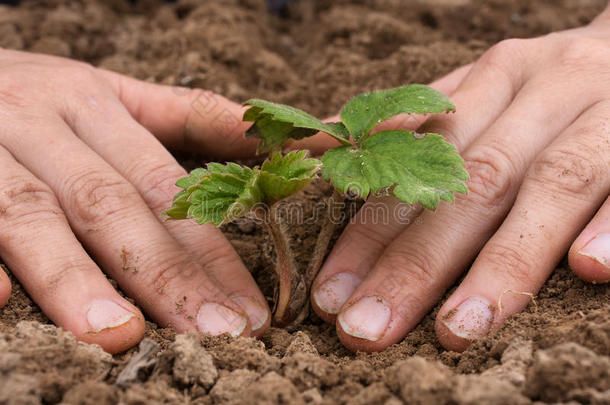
pixel 282 176
pixel 222 193
pixel 180 206
pixel 362 113
pixel 193 178
pixel 418 169
pixel 275 123
pixel 218 194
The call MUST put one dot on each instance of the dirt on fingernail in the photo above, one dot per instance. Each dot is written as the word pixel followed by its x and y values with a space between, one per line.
pixel 314 55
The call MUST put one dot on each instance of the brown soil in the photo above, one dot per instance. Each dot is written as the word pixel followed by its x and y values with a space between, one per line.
pixel 315 57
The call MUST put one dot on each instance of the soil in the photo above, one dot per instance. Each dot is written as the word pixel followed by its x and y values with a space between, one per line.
pixel 314 55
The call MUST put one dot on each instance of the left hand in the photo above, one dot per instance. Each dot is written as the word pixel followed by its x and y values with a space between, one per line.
pixel 533 125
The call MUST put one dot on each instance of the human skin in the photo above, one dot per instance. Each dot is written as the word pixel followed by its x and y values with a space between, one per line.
pixel 85 173
pixel 79 165
pixel 84 165
pixel 533 126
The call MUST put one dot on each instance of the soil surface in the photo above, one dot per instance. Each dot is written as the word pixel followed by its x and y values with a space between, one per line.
pixel 313 55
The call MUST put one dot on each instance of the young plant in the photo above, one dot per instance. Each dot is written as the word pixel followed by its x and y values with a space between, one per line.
pixel 416 168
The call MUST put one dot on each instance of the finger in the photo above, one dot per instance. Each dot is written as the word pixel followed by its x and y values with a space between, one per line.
pixel 190 119
pixel 5 288
pixel 589 255
pixel 375 225
pixel 126 239
pixel 485 91
pixel 181 118
pixel 194 119
pixel 564 186
pixel 413 272
pixel 449 83
pixel 37 244
pixel 316 144
pixel 154 175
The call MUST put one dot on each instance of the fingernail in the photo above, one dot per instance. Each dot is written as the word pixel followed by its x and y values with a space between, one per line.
pixel 471 320
pixel 367 319
pixel 216 319
pixel 598 249
pixel 257 313
pixel 331 295
pixel 106 314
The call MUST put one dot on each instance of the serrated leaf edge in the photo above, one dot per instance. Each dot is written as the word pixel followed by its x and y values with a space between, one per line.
pixel 461 178
pixel 329 129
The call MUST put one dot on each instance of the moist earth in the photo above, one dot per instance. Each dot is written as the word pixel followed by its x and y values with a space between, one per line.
pixel 314 55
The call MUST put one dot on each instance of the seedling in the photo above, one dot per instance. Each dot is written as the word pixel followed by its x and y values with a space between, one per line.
pixel 416 168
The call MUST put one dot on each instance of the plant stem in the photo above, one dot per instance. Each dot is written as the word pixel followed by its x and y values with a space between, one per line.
pixel 291 294
pixel 319 252
pixel 326 233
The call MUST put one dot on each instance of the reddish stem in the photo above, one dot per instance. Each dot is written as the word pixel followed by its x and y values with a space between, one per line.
pixel 291 294
pixel 319 252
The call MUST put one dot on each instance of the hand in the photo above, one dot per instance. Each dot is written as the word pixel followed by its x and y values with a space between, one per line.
pixel 79 165
pixel 533 125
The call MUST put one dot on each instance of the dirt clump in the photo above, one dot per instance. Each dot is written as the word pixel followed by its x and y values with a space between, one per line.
pixel 40 362
pixel 192 363
pixel 418 381
pixel 567 370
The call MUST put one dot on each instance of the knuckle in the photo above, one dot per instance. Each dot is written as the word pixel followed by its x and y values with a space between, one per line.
pixel 24 201
pixel 411 266
pixel 579 53
pixel 14 93
pixel 159 184
pixel 83 86
pixel 507 48
pixel 449 127
pixel 372 236
pixel 54 280
pixel 174 273
pixel 508 52
pixel 94 196
pixel 509 261
pixel 78 73
pixel 32 83
pixel 11 96
pixel 504 61
pixel 64 269
pixel 217 254
pixel 166 272
pixel 576 171
pixel 491 178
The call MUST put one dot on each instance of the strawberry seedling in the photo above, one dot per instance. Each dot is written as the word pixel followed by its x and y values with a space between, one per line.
pixel 416 168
